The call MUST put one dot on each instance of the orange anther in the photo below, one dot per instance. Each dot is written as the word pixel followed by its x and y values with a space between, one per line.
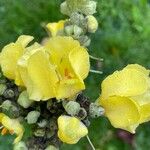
pixel 4 131
pixel 11 132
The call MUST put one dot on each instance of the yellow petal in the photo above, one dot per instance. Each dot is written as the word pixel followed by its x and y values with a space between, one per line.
pixel 79 59
pixel 121 111
pixel 13 125
pixel 10 55
pixel 70 129
pixel 54 28
pixel 128 82
pixel 38 74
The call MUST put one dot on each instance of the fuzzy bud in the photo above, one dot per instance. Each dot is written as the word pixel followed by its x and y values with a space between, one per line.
pixel 89 8
pixel 72 108
pixel 82 114
pixel 51 147
pixel 77 31
pixel 32 117
pixel 9 93
pixel 20 146
pixel 64 9
pixel 84 40
pixel 92 24
pixel 76 18
pixel 95 110
pixel 24 100
pixel 3 87
pixel 42 123
pixel 39 133
pixel 69 30
pixel 6 105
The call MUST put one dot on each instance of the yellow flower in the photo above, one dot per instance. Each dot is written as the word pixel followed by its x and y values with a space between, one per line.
pixel 70 129
pixel 126 97
pixel 72 65
pixel 37 73
pixel 10 55
pixel 55 27
pixel 11 125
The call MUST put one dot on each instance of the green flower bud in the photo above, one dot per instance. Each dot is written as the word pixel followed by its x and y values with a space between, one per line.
pixel 51 147
pixel 3 87
pixel 39 133
pixel 69 30
pixel 6 105
pixel 32 117
pixel 64 9
pixel 82 114
pixel 92 24
pixel 89 8
pixel 24 100
pixel 76 18
pixel 20 146
pixel 72 108
pixel 84 40
pixel 95 110
pixel 42 123
pixel 77 31
pixel 9 93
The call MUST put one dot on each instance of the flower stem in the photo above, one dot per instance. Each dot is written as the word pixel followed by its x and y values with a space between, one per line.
pixel 96 71
pixel 90 142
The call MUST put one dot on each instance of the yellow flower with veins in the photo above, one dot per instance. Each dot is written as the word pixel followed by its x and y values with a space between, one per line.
pixel 72 65
pixel 125 97
pixel 71 129
pixel 55 27
pixel 11 125
pixel 10 55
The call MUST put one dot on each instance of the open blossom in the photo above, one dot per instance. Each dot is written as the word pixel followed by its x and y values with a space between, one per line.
pixel 71 129
pixel 126 97
pixel 10 55
pixel 11 125
pixel 55 27
pixel 55 70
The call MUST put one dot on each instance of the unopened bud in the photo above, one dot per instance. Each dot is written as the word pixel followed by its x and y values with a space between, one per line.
pixel 3 87
pixel 20 146
pixel 64 9
pixel 51 147
pixel 92 24
pixel 82 114
pixel 95 110
pixel 89 8
pixel 69 30
pixel 77 31
pixel 42 123
pixel 72 108
pixel 9 93
pixel 6 105
pixel 24 100
pixel 85 41
pixel 76 18
pixel 32 117
pixel 39 133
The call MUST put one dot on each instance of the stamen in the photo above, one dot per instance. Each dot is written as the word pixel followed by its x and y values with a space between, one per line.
pixel 4 131
pixel 11 132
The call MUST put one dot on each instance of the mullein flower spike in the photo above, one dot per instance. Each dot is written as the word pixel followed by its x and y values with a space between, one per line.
pixel 126 97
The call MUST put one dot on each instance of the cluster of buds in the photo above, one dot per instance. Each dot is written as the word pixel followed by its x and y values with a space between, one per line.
pixel 81 22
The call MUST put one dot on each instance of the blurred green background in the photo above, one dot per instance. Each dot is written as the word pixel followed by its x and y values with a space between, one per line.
pixel 123 37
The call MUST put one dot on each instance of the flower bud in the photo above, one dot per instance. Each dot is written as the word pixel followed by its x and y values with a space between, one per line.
pixel 24 100
pixel 42 123
pixel 69 30
pixel 39 133
pixel 92 24
pixel 3 87
pixel 85 41
pixel 32 117
pixel 76 18
pixel 51 147
pixel 95 110
pixel 72 108
pixel 20 146
pixel 64 9
pixel 6 105
pixel 89 8
pixel 82 114
pixel 9 93
pixel 77 31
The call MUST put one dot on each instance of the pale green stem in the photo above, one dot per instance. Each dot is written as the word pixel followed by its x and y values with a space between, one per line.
pixel 91 144
pixel 95 58
pixel 96 71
